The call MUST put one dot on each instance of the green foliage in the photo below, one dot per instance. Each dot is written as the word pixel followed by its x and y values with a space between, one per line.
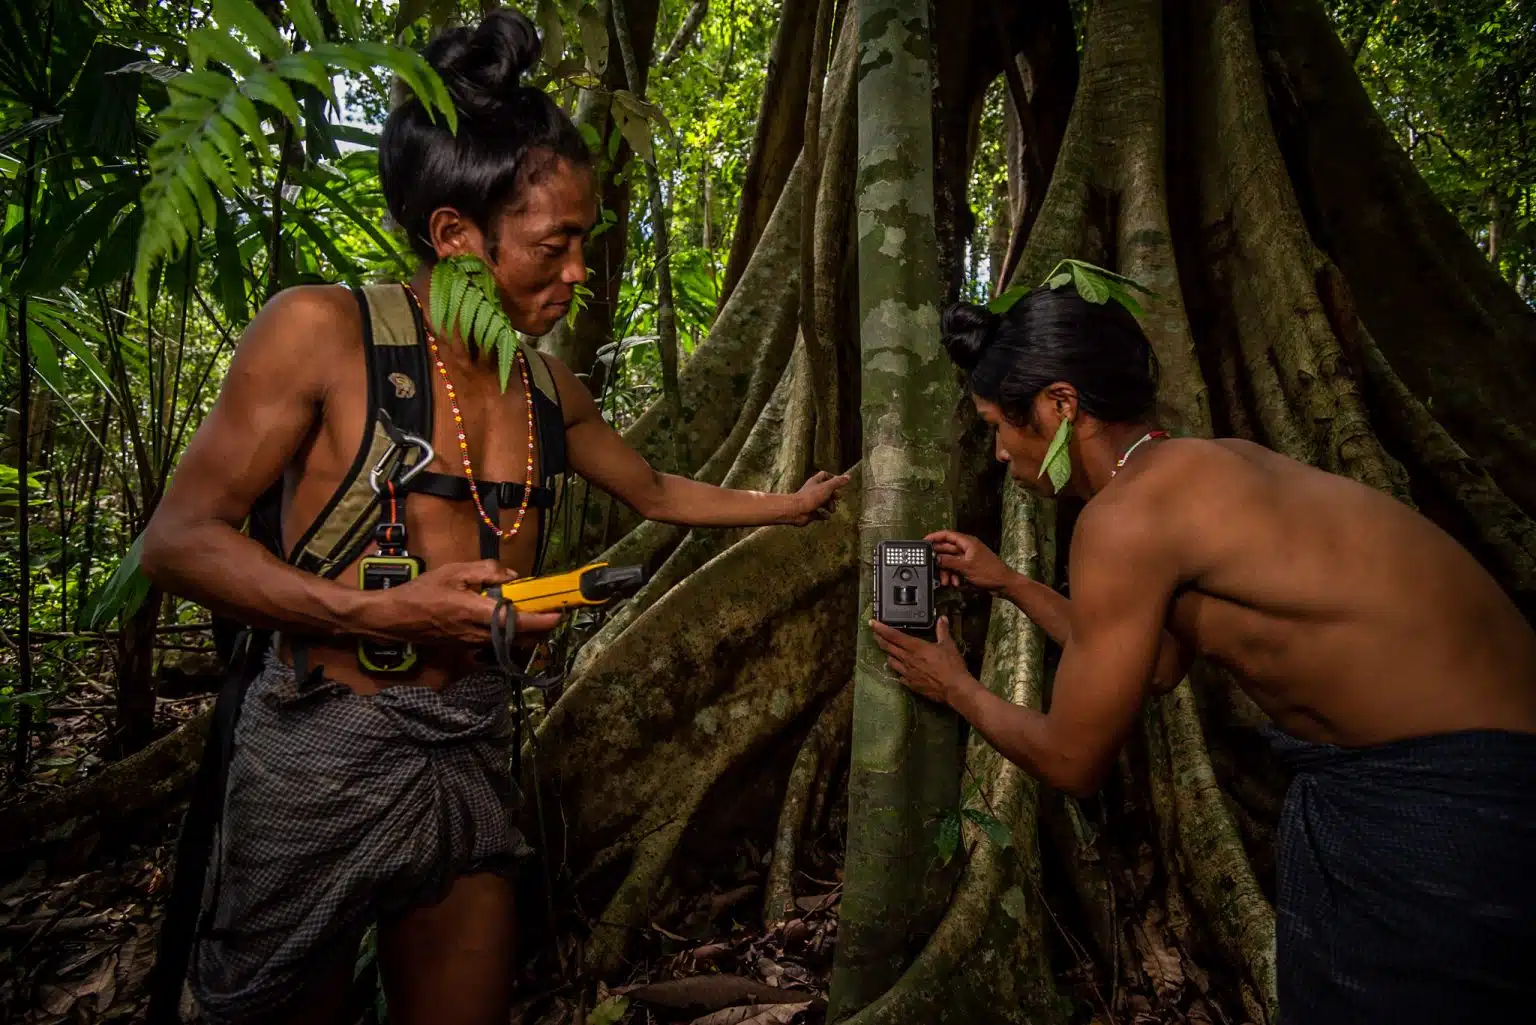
pixel 1456 84
pixel 609 1012
pixel 10 488
pixel 947 838
pixel 465 302
pixel 211 134
pixel 122 594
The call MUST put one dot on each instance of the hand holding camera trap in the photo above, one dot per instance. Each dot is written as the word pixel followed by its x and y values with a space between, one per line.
pixel 906 577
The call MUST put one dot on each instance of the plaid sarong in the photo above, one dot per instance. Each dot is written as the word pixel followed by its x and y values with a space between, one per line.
pixel 1407 890
pixel 342 810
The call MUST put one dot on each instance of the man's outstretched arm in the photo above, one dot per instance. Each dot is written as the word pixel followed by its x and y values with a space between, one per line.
pixel 599 454
pixel 1123 584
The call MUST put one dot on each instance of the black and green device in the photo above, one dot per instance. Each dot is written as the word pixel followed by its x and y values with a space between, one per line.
pixel 380 573
pixel 393 565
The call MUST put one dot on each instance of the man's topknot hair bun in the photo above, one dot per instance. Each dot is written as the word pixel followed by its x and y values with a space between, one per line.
pixel 967 330
pixel 482 66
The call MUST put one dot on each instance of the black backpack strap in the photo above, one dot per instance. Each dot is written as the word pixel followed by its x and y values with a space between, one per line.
pixel 509 494
pixel 550 420
pixel 398 387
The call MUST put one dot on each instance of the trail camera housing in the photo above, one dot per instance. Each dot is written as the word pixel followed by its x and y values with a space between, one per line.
pixel 905 580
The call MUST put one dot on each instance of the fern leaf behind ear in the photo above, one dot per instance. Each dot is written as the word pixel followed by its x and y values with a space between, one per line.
pixel 442 285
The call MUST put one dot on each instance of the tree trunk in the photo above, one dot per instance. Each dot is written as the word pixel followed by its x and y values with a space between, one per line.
pixel 23 466
pixel 905 758
pixel 576 346
pixel 779 136
pixel 136 677
pixel 666 317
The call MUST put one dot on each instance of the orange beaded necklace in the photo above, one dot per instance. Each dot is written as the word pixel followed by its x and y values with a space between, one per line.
pixel 458 426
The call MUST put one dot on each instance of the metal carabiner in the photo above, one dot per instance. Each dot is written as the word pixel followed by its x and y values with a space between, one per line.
pixel 399 441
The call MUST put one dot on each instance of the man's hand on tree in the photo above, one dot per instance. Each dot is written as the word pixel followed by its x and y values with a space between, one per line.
pixel 816 499
pixel 448 604
pixel 964 558
pixel 933 669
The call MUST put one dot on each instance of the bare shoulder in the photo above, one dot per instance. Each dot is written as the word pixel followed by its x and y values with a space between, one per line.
pixel 1162 499
pixel 300 334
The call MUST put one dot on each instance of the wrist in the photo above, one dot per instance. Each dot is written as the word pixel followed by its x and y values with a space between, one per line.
pixel 785 508
pixel 958 688
pixel 364 612
pixel 1010 582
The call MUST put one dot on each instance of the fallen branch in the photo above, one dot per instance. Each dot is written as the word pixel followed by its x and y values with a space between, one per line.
pixel 123 792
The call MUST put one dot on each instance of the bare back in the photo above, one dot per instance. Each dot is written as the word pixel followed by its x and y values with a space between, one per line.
pixel 1348 617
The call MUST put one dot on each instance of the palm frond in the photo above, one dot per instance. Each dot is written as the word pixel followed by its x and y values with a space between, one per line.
pixel 211 134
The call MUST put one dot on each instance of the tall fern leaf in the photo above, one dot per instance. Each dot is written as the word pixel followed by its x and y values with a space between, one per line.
pixel 211 133
pixel 465 302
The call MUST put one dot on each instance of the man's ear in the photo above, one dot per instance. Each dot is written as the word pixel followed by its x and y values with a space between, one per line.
pixel 452 234
pixel 1061 398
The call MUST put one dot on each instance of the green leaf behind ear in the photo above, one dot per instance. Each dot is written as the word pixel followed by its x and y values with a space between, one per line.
pixel 1058 459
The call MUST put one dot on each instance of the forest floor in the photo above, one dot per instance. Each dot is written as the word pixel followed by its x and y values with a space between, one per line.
pixel 78 933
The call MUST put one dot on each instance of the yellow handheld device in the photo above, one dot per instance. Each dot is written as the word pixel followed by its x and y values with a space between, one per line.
pixel 594 584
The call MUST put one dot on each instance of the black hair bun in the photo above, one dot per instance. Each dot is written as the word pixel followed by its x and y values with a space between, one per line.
pixel 967 330
pixel 481 66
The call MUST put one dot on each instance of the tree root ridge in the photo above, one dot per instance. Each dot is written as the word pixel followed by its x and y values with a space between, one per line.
pixel 153 778
pixel 760 638
pixel 800 807
pixel 987 960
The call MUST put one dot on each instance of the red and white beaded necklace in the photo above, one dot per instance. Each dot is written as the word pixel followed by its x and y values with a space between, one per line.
pixel 458 426
pixel 1145 437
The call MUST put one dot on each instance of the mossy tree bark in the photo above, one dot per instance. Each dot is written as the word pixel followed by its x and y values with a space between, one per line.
pixel 577 344
pixel 904 775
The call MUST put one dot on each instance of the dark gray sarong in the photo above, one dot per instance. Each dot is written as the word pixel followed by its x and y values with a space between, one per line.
pixel 1407 889
pixel 342 810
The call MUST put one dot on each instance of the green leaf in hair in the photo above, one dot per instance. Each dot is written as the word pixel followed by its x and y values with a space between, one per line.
pixel 1004 302
pixel 1097 285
